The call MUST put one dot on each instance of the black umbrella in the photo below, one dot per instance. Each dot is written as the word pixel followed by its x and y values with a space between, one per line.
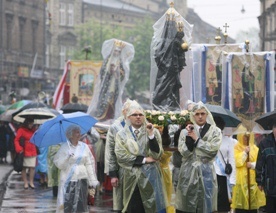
pixel 267 120
pixel 33 104
pixel 74 107
pixel 40 115
pixel 230 119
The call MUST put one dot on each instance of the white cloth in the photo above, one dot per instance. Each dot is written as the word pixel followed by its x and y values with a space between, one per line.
pixel 227 150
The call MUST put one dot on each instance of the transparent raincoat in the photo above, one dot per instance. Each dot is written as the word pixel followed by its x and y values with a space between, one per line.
pixel 244 179
pixel 147 177
pixel 111 165
pixel 197 185
pixel 77 172
pixel 53 171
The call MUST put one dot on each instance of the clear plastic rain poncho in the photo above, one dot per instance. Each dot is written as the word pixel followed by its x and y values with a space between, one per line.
pixel 107 99
pixel 245 177
pixel 168 59
pixel 77 172
pixel 197 192
pixel 111 166
pixel 146 176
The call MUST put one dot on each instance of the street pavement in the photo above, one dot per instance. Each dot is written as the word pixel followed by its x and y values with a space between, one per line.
pixel 16 199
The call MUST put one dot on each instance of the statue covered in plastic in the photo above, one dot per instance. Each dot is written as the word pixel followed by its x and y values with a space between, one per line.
pixel 106 103
pixel 172 36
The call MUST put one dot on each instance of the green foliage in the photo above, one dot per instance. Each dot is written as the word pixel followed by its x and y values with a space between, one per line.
pixel 140 67
pixel 92 34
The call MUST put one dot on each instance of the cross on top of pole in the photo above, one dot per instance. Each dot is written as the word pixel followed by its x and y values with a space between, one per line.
pixel 225 26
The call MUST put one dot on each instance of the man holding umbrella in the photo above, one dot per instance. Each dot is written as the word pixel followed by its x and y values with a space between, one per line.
pixel 265 169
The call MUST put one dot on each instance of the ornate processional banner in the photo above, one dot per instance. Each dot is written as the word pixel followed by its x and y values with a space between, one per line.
pixel 211 67
pixel 249 85
pixel 82 79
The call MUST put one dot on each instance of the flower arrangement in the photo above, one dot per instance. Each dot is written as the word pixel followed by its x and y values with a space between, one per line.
pixel 165 118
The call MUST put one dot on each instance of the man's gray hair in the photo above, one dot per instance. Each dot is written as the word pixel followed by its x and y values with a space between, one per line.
pixel 70 129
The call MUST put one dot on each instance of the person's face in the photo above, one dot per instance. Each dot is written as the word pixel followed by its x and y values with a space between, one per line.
pixel 30 125
pixel 200 117
pixel 76 135
pixel 136 119
pixel 245 139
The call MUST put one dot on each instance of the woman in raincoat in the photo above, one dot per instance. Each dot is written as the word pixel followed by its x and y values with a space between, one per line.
pixel 77 173
pixel 197 185
pixel 138 155
pixel 245 153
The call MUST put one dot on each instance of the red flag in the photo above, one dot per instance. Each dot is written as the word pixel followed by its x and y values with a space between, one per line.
pixel 58 96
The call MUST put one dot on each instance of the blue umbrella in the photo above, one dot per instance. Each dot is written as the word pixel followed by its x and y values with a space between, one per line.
pixel 52 132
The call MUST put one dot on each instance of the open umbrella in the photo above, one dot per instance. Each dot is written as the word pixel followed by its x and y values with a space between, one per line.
pixel 230 119
pixel 266 120
pixel 7 115
pixel 40 115
pixel 2 109
pixel 19 104
pixel 53 131
pixel 74 107
pixel 32 104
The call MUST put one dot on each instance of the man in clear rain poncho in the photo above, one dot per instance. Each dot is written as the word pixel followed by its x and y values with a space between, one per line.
pixel 107 103
pixel 112 167
pixel 172 35
pixel 138 147
pixel 198 144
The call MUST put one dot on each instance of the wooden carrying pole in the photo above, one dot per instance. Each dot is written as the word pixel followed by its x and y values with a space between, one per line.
pixel 247 134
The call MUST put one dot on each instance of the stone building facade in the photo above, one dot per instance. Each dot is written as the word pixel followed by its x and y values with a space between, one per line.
pixel 22 47
pixel 267 21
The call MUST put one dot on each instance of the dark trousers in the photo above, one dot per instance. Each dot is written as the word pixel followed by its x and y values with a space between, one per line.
pixel 270 204
pixel 135 204
pixel 246 211
pixel 178 211
pixel 75 198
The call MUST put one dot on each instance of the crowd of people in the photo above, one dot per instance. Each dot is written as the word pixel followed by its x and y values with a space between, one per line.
pixel 139 169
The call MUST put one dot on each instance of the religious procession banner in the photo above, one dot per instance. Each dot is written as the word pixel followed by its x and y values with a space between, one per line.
pixel 249 85
pixel 82 79
pixel 207 70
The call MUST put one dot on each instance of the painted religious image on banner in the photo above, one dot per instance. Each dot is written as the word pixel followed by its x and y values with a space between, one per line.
pixel 86 83
pixel 248 83
pixel 213 70
pixel 82 79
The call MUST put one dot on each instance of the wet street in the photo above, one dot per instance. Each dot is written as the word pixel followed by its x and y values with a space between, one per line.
pixel 16 199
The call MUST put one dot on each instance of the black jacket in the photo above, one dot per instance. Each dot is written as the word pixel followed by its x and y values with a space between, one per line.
pixel 266 165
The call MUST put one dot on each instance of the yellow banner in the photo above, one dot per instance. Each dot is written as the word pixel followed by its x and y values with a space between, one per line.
pixel 83 75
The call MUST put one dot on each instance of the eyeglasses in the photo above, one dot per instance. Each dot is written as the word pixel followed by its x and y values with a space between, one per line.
pixel 135 115
pixel 200 113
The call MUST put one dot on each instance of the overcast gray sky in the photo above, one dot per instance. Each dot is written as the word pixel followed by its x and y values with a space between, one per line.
pixel 219 12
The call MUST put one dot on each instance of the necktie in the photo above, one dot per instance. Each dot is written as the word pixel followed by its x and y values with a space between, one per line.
pixel 136 132
pixel 200 130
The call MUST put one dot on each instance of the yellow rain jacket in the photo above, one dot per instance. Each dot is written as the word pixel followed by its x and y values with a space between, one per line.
pixel 246 177
pixel 167 177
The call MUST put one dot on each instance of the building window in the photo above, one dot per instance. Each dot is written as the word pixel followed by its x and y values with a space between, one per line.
pixel 70 14
pixel 22 22
pixel 34 35
pixel 9 20
pixel 47 56
pixel 62 55
pixel 62 15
